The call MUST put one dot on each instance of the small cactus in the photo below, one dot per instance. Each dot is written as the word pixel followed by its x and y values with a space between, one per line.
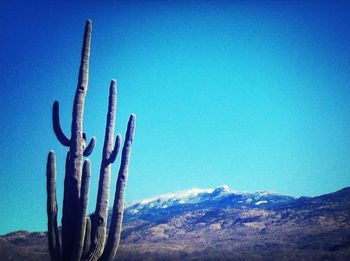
pixel 84 238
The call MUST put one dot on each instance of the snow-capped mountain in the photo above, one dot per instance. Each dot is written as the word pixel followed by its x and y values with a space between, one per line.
pixel 192 199
pixel 220 224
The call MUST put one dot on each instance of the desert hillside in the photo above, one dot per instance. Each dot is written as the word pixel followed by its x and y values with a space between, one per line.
pixel 220 224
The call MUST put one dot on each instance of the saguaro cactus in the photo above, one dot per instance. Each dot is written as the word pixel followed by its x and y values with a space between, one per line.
pixel 84 238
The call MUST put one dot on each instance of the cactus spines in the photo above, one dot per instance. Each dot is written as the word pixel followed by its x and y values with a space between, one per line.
pixel 53 237
pixel 84 238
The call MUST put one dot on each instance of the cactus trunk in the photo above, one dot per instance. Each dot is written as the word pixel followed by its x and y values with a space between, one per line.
pixel 73 179
pixel 76 149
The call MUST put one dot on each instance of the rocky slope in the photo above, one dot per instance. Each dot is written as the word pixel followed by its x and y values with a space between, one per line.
pixel 220 224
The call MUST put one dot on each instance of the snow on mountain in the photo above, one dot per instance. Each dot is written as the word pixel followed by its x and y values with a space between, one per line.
pixel 223 196
pixel 169 199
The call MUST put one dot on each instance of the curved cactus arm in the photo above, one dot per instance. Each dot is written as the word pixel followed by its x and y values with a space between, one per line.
pixel 81 220
pixel 115 151
pixel 62 138
pixel 53 236
pixel 90 147
pixel 87 242
pixel 112 244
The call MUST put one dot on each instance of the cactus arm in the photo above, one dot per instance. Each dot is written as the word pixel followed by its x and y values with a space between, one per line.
pixel 118 206
pixel 99 218
pixel 53 236
pixel 90 147
pixel 81 221
pixel 62 138
pixel 87 237
pixel 110 121
pixel 115 151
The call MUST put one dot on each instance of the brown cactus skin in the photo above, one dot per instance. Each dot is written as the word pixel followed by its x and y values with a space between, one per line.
pixel 118 207
pixel 53 237
pixel 84 238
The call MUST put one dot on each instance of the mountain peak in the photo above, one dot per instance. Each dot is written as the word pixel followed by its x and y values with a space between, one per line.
pixel 222 189
pixel 185 196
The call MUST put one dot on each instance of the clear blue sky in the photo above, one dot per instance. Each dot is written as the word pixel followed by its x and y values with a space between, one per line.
pixel 255 95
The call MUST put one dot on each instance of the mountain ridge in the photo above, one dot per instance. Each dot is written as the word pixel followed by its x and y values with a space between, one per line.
pixel 222 196
pixel 220 224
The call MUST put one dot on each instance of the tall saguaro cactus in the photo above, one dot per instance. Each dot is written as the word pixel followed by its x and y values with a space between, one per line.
pixel 84 238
